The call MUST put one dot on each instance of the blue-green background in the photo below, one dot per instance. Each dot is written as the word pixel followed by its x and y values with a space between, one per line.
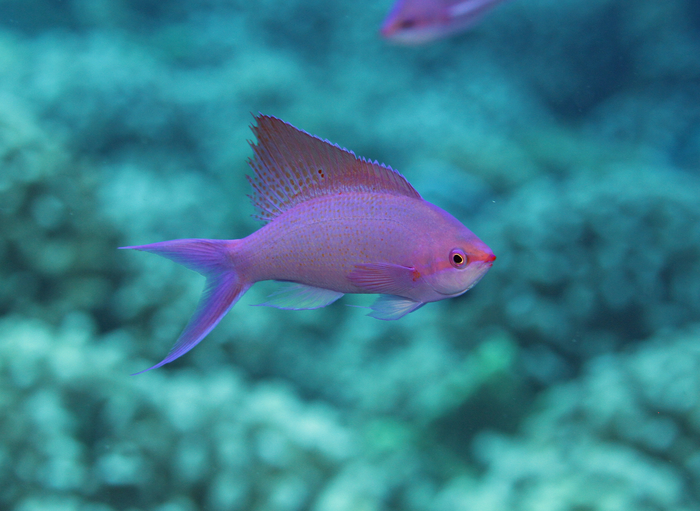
pixel 564 133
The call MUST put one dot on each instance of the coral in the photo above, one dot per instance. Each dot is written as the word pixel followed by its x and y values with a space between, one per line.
pixel 78 429
pixel 42 215
pixel 55 250
pixel 78 432
pixel 621 437
pixel 589 263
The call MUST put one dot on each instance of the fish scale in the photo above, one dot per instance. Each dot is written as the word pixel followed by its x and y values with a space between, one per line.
pixel 332 231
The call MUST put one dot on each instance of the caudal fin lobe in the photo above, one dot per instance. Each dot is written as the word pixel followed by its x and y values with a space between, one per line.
pixel 223 288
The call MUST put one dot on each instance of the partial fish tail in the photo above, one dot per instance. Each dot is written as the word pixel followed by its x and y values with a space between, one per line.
pixel 224 286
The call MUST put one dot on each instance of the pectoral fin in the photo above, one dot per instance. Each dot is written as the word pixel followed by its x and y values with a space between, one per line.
pixel 301 297
pixel 388 307
pixel 384 278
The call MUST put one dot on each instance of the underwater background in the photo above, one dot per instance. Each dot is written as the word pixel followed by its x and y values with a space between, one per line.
pixel 565 134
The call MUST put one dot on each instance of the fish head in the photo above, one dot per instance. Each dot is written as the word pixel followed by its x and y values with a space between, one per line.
pixel 415 22
pixel 458 266
pixel 458 259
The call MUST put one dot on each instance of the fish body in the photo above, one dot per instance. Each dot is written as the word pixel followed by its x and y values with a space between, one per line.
pixel 420 21
pixel 329 242
pixel 334 224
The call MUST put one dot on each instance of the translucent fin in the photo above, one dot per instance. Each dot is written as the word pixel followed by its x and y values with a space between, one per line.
pixel 389 307
pixel 301 297
pixel 384 278
pixel 292 166
pixel 223 288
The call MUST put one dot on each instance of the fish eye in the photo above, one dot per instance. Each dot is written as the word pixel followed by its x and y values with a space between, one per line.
pixel 458 258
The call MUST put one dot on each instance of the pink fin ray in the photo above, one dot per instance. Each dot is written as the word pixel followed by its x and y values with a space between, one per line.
pixel 222 290
pixel 384 278
pixel 292 166
pixel 301 297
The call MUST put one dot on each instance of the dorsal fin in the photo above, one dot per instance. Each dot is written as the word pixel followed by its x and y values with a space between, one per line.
pixel 292 166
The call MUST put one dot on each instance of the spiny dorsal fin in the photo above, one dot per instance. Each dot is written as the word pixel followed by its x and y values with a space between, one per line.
pixel 292 166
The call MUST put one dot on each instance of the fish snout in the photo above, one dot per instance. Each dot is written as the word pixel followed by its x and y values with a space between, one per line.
pixel 485 257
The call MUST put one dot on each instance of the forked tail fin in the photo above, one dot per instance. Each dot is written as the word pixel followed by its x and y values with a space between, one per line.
pixel 222 290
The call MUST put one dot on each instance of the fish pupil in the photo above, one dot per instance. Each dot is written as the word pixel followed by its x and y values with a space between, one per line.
pixel 457 259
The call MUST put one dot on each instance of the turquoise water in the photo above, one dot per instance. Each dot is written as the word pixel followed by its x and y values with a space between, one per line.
pixel 566 135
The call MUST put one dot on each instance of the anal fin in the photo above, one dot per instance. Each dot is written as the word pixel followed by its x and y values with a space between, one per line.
pixel 301 297
pixel 384 278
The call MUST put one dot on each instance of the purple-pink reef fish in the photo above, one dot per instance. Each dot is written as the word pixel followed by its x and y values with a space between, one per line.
pixel 334 223
pixel 420 21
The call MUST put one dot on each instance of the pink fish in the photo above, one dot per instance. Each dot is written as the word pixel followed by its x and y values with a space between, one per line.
pixel 335 223
pixel 420 21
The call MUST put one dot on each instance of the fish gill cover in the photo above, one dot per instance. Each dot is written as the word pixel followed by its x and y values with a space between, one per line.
pixel 566 134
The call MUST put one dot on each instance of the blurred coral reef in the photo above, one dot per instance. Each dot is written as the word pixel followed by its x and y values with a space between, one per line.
pixel 565 134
